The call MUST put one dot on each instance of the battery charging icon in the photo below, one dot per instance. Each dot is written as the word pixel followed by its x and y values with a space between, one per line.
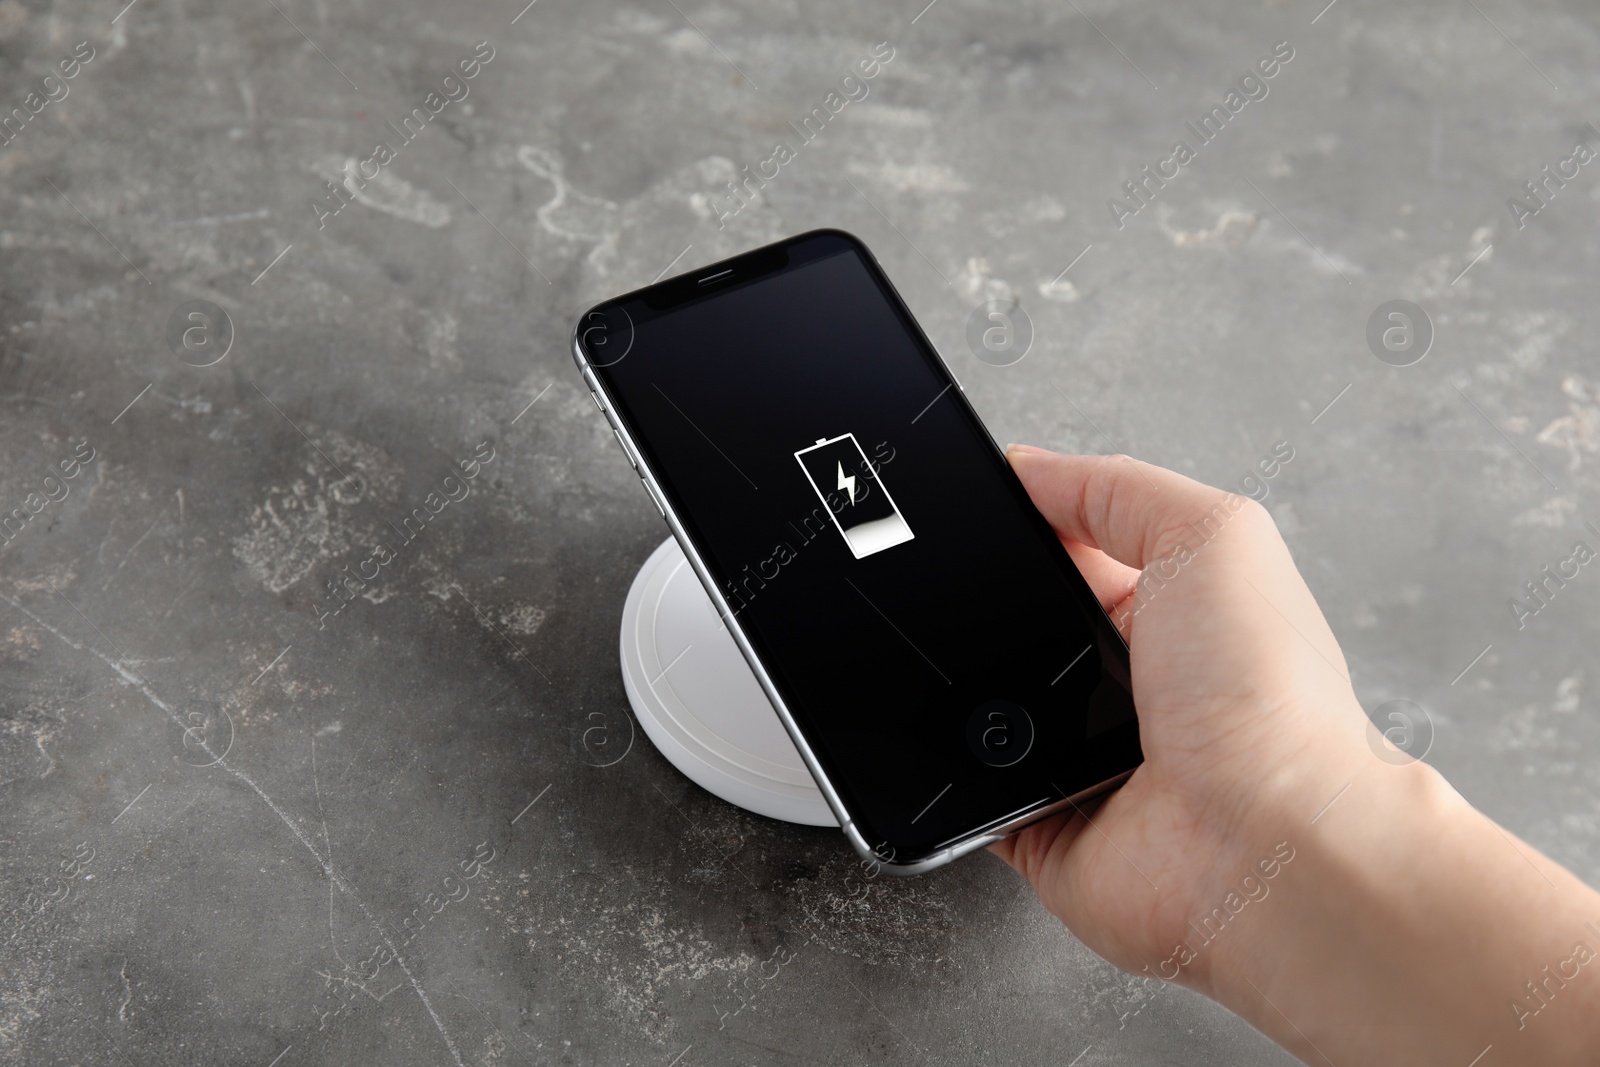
pixel 866 515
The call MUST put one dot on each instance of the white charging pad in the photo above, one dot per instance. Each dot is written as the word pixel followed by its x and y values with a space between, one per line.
pixel 700 704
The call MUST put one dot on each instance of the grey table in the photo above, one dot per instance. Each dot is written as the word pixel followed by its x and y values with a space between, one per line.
pixel 238 826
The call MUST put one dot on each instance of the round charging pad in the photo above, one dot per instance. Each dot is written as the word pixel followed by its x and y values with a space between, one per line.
pixel 700 704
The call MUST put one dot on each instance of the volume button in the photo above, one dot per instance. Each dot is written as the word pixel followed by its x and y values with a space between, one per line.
pixel 625 450
pixel 653 498
pixel 594 388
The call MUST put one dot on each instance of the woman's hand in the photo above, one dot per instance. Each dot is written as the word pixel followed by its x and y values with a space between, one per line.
pixel 1265 853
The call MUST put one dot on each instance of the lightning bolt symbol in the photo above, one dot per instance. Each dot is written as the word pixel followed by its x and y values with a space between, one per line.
pixel 847 481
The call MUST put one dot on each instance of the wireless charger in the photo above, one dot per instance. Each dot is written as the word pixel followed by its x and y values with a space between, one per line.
pixel 699 702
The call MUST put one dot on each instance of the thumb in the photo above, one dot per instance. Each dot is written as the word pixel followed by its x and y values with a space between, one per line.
pixel 1133 512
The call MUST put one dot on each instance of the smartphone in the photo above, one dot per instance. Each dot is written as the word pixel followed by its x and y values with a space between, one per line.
pixel 946 673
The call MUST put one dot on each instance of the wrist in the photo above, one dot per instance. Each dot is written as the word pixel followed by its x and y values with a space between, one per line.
pixel 1339 938
pixel 1407 927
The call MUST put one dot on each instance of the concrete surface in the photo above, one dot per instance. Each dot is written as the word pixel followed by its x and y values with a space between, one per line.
pixel 222 812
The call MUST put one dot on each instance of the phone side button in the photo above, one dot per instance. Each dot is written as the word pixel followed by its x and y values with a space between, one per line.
pixel 653 498
pixel 624 445
pixel 594 388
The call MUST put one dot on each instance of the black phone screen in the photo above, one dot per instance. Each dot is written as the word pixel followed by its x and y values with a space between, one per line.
pixel 941 654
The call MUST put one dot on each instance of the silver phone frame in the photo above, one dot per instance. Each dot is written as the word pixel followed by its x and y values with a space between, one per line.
pixel 978 837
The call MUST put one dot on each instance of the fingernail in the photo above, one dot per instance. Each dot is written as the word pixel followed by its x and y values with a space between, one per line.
pixel 1029 449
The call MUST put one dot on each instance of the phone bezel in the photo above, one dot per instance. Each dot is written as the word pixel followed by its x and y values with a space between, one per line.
pixel 705 283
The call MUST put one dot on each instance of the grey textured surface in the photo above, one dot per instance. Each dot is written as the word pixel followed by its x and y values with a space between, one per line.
pixel 165 906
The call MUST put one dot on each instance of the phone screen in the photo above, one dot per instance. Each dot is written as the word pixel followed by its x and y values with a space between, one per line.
pixel 944 659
